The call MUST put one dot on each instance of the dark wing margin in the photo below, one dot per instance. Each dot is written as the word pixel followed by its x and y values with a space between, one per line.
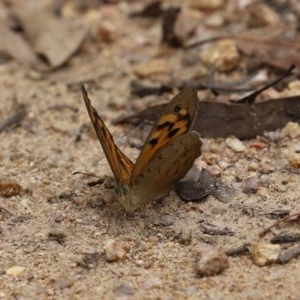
pixel 120 164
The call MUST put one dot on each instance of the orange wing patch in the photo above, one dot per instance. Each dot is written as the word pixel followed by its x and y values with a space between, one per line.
pixel 175 121
pixel 167 128
pixel 120 164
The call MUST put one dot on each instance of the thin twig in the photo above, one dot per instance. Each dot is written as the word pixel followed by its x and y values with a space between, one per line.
pixel 251 97
pixel 16 118
pixel 238 250
pixel 262 233
pixel 6 210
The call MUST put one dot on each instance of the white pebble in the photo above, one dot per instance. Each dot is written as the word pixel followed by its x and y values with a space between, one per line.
pixel 235 144
pixel 113 251
pixel 14 271
pixel 264 253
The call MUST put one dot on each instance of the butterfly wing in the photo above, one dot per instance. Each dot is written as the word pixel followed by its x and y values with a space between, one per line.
pixel 175 120
pixel 121 165
pixel 167 166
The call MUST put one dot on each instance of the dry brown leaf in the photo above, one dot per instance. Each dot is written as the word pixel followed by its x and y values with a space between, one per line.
pixel 245 120
pixel 51 37
pixel 15 46
pixel 269 45
pixel 207 184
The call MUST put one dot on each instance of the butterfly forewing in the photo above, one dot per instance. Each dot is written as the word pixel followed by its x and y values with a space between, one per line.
pixel 121 165
pixel 167 166
pixel 175 120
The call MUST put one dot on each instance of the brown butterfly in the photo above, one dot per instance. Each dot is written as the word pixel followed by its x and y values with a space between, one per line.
pixel 168 153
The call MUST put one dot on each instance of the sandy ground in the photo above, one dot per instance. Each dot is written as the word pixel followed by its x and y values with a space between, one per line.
pixel 59 221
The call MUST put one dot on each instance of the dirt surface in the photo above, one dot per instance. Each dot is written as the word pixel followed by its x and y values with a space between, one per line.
pixel 59 225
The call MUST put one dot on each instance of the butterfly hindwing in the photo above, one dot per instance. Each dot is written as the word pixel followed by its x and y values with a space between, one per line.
pixel 120 164
pixel 175 120
pixel 168 165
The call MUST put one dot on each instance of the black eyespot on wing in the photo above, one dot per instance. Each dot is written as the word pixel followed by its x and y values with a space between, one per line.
pixel 153 141
pixel 173 132
pixel 177 108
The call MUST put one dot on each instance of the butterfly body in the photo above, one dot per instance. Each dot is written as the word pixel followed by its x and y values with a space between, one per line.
pixel 168 153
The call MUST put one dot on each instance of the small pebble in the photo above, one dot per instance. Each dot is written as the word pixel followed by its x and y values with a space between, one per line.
pixel 113 251
pixel 46 180
pixel 223 55
pixel 274 136
pixel 124 289
pixel 235 144
pixel 107 31
pixel 146 246
pixel 184 238
pixel 264 253
pixel 148 264
pixel 297 147
pixel 187 22
pixel 14 271
pixel 215 170
pixel 265 180
pixel 9 189
pixel 210 158
pixel 263 191
pixel 57 235
pixel 253 166
pixel 291 129
pixel 25 203
pixel 151 68
pixel 214 20
pixel 212 261
pixel 62 281
pixel 266 169
pixel 282 163
pixel 263 15
pixel 35 75
pixel 139 262
pixel 292 156
pixel 280 188
pixel 151 283
pixel 251 185
pixel 153 239
pixel 294 86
